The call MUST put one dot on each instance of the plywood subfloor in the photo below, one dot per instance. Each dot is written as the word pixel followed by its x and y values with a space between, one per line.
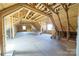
pixel 34 44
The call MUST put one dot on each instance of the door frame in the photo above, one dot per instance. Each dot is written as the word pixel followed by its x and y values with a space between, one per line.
pixel 4 13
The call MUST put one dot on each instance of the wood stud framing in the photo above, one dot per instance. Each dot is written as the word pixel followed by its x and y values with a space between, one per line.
pixel 66 8
pixel 36 9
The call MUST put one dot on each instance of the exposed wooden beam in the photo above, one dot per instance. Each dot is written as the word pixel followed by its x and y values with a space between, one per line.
pixel 28 7
pixel 10 9
pixel 43 8
pixel 37 5
pixel 18 14
pixel 27 13
pixel 70 4
pixel 19 17
pixel 60 21
pixel 52 19
pixel 57 6
pixel 37 10
pixel 30 20
pixel 33 15
pixel 40 6
pixel 71 26
pixel 66 8
pixel 16 22
pixel 24 20
pixel 68 26
pixel 51 11
pixel 55 13
pixel 36 25
pixel 38 18
pixel 2 44
pixel 48 7
pixel 18 6
pixel 33 9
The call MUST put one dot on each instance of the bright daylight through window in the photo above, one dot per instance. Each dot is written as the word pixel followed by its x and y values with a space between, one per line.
pixel 50 27
pixel 24 27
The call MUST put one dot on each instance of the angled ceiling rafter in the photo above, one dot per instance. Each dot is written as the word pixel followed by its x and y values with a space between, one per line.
pixel 20 5
pixel 56 12
pixel 51 16
pixel 27 13
pixel 48 15
pixel 33 15
pixel 66 8
pixel 38 18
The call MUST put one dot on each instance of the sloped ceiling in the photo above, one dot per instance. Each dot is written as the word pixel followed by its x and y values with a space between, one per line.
pixel 5 5
pixel 46 10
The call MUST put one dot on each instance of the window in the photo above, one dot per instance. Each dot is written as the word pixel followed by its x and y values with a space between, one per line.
pixel 24 27
pixel 50 26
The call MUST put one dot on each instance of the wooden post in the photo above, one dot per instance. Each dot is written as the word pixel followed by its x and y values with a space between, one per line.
pixel 5 12
pixel 57 13
pixel 54 24
pixel 60 25
pixel 68 25
pixel 46 26
pixel 40 28
pixel 68 28
pixel 2 49
pixel 60 22
pixel 5 32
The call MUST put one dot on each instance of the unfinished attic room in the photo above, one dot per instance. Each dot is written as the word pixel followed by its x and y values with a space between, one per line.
pixel 38 29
